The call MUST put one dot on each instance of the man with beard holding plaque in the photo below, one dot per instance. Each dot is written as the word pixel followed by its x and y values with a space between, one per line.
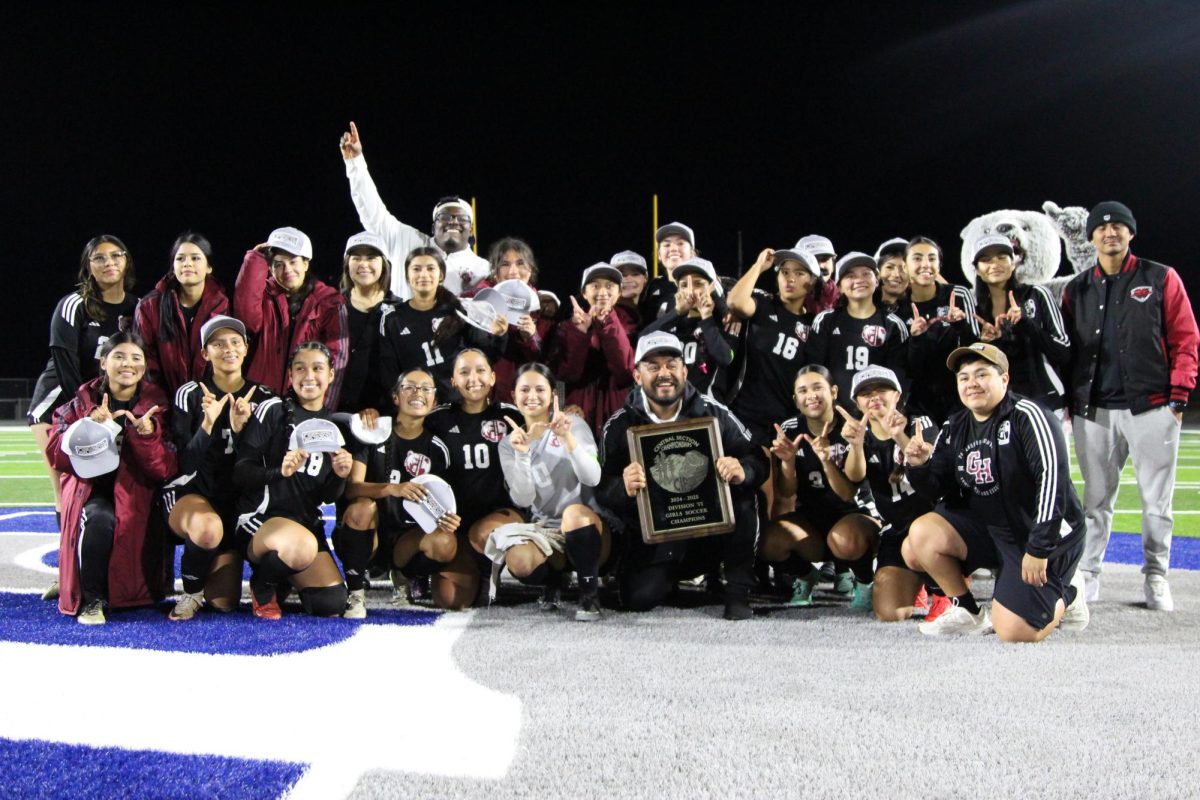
pixel 649 572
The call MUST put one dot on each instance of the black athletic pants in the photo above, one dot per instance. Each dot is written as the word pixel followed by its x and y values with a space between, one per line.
pixel 97 524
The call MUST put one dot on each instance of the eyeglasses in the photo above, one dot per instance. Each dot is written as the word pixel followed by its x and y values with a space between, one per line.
pixel 100 259
pixel 445 217
pixel 412 388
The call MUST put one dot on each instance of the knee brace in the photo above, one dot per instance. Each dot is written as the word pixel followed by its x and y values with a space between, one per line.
pixel 326 601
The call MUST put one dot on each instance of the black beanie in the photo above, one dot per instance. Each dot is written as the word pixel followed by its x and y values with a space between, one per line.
pixel 1110 211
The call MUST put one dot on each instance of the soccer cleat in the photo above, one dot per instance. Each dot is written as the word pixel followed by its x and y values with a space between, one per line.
pixel 803 587
pixel 1076 616
pixel 400 592
pixel 419 590
pixel 1158 594
pixel 921 602
pixel 268 610
pixel 862 596
pixel 51 592
pixel 589 608
pixel 551 597
pixel 938 604
pixel 1091 587
pixel 92 614
pixel 737 606
pixel 828 572
pixel 356 605
pixel 957 620
pixel 186 606
pixel 843 584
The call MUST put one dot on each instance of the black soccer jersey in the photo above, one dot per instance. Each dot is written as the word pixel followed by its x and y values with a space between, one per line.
pixel 474 441
pixel 845 345
pixel 933 391
pixel 776 348
pixel 410 340
pixel 813 489
pixel 260 451
pixel 895 499
pixel 398 460
pixel 707 348
pixel 207 460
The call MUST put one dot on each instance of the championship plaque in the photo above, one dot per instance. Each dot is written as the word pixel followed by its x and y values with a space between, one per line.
pixel 684 497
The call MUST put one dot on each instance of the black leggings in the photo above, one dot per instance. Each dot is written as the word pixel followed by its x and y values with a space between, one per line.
pixel 96 526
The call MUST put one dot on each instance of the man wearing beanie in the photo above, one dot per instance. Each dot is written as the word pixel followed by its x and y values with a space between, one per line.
pixel 1133 367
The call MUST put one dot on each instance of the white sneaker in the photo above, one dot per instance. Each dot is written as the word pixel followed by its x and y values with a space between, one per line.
pixel 1076 616
pixel 1091 587
pixel 356 605
pixel 186 606
pixel 400 584
pixel 957 619
pixel 1158 594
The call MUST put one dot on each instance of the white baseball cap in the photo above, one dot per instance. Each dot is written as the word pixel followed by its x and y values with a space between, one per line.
pixel 628 258
pixel 215 324
pixel 675 229
pixel 799 254
pixel 438 501
pixel 853 259
pixel 291 240
pixel 599 270
pixel 316 436
pixel 518 297
pixel 657 342
pixel 482 310
pixel 92 447
pixel 366 239
pixel 377 435
pixel 890 243
pixel 871 376
pixel 817 245
pixel 989 241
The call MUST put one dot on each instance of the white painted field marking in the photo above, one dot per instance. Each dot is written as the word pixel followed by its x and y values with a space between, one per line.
pixel 31 559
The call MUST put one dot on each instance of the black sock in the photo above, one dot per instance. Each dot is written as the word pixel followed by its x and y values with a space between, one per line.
pixel 353 547
pixel 794 565
pixel 968 602
pixel 864 569
pixel 270 571
pixel 583 548
pixel 194 566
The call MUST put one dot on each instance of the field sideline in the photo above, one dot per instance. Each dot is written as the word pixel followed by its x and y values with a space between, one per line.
pixel 23 481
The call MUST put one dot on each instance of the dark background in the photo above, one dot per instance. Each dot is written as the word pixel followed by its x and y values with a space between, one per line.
pixel 857 121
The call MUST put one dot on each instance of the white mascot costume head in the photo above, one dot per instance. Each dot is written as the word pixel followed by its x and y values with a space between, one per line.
pixel 1035 238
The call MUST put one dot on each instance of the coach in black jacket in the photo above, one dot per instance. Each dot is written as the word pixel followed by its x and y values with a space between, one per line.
pixel 648 573
pixel 1000 467
pixel 1133 367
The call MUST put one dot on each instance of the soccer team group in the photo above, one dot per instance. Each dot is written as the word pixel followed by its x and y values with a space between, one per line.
pixel 902 431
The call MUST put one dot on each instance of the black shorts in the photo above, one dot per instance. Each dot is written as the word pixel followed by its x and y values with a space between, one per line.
pixel 1034 604
pixel 823 518
pixel 889 548
pixel 245 530
pixel 981 549
pixel 229 517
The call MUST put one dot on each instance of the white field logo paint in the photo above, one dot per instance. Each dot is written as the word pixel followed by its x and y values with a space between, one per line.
pixel 127 688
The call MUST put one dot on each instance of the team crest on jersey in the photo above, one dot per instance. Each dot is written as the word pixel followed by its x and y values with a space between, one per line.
pixel 492 429
pixel 1004 433
pixel 433 323
pixel 1030 308
pixel 979 467
pixel 802 331
pixel 873 334
pixel 943 312
pixel 1141 293
pixel 837 454
pixel 416 463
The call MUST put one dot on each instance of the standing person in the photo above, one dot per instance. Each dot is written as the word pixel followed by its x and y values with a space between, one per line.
pixel 283 486
pixel 82 322
pixel 453 225
pixel 1028 324
pixel 365 284
pixel 696 321
pixel 207 421
pixel 777 337
pixel 821 248
pixel 676 244
pixel 108 442
pixel 427 330
pixel 593 350
pixel 648 573
pixel 170 317
pixel 810 451
pixel 893 275
pixel 1133 367
pixel 1003 478
pixel 550 466
pixel 282 304
pixel 857 333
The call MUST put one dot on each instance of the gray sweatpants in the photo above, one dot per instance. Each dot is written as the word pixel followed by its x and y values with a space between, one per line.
pixel 1102 447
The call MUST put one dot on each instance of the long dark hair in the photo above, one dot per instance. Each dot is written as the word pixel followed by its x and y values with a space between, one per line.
pixel 89 290
pixel 123 336
pixel 169 302
pixel 983 296
pixel 522 248
pixel 452 324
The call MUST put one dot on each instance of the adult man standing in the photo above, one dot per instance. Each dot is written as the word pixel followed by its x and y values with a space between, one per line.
pixel 648 572
pixel 1133 366
pixel 453 229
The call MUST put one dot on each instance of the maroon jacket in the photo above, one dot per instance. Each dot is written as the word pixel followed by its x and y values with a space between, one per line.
pixel 597 366
pixel 262 304
pixel 136 570
pixel 518 351
pixel 173 363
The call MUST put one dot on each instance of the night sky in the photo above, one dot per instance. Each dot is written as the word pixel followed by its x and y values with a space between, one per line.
pixel 857 121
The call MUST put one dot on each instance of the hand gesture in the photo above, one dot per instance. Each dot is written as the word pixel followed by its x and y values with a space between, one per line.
pixel 784 448
pixel 820 444
pixel 730 470
pixel 342 462
pixel 560 424
pixel 291 462
pixel 527 327
pixel 705 304
pixel 408 491
pixel 144 425
pixel 853 430
pixel 765 260
pixel 954 313
pixel 894 423
pixel 918 324
pixel 350 144
pixel 918 450
pixel 1013 314
pixel 987 331
pixel 212 408
pixel 635 478
pixel 521 437
pixel 448 523
pixel 242 408
pixel 581 319
pixel 684 302
pixel 101 413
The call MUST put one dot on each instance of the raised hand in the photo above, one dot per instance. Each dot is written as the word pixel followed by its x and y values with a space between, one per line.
pixel 212 407
pixel 101 413
pixel 820 444
pixel 765 260
pixel 350 144
pixel 560 424
pixel 527 327
pixel 918 324
pixel 987 331
pixel 894 423
pixel 143 425
pixel 581 319
pixel 918 450
pixel 853 430
pixel 292 460
pixel 521 437
pixel 342 462
pixel 955 314
pixel 684 302
pixel 705 304
pixel 784 448
pixel 241 410
pixel 730 470
pixel 1013 314
pixel 634 477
